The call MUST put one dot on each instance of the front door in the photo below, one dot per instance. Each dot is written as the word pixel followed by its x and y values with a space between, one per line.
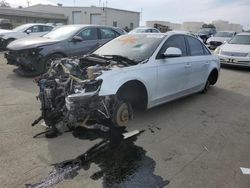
pixel 89 42
pixel 173 72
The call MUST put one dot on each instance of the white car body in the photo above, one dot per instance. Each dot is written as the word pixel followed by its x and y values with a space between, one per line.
pixel 214 41
pixel 20 34
pixel 235 54
pixel 27 30
pixel 164 79
pixel 132 71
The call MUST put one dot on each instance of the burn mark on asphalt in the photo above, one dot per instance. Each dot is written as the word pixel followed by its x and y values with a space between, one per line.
pixel 121 163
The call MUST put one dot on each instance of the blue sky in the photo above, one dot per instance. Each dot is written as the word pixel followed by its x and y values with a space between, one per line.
pixel 236 11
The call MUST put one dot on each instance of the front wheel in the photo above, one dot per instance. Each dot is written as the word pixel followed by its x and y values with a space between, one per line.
pixel 206 87
pixel 50 59
pixel 122 113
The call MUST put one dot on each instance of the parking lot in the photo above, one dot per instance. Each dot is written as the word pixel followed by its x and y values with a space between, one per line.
pixel 197 141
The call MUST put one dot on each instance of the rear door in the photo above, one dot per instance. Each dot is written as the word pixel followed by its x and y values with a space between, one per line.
pixel 173 73
pixel 199 61
pixel 89 42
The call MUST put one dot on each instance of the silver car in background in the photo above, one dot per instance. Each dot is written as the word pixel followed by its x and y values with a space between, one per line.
pixel 236 52
pixel 25 30
pixel 219 38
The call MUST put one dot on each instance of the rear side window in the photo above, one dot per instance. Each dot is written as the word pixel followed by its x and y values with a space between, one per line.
pixel 177 41
pixel 195 47
pixel 89 34
pixel 107 33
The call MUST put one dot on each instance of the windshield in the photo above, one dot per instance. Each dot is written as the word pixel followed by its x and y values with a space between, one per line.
pixel 22 28
pixel 136 47
pixel 63 32
pixel 240 39
pixel 224 34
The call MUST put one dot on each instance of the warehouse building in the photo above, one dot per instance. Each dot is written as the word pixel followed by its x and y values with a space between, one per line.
pixel 222 25
pixel 92 15
pixel 196 26
pixel 19 16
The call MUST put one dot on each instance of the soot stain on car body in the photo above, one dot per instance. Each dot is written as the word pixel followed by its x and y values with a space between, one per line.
pixel 121 162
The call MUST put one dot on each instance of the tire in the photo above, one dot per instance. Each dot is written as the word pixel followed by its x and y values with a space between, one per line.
pixel 50 59
pixel 206 87
pixel 122 113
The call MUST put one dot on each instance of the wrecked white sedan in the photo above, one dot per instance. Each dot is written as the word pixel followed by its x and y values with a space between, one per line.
pixel 131 71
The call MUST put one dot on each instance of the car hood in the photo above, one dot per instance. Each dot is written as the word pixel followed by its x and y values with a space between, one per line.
pixel 30 42
pixel 236 48
pixel 219 39
pixel 3 31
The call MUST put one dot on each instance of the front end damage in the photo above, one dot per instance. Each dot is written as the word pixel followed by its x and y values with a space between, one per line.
pixel 69 93
pixel 29 62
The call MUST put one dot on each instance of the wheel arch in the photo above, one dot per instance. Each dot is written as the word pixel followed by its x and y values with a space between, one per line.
pixel 213 76
pixel 135 92
pixel 55 53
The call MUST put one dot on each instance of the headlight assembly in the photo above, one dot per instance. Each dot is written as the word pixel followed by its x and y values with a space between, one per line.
pixel 93 85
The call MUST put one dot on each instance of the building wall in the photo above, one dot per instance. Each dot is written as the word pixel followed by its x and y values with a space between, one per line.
pixel 123 18
pixel 172 26
pixel 196 26
pixel 192 26
pixel 226 26
pixel 20 16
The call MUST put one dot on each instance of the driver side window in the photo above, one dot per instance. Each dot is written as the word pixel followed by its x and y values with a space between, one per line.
pixel 89 34
pixel 177 41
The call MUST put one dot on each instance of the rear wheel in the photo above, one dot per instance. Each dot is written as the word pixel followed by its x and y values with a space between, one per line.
pixel 206 86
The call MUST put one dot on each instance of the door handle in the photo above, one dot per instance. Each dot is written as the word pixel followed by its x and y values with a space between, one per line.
pixel 188 65
pixel 207 62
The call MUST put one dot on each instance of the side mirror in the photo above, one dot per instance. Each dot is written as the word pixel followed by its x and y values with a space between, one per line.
pixel 172 52
pixel 77 39
pixel 28 31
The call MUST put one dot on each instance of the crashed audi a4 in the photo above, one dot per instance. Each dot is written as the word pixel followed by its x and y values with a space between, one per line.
pixel 132 71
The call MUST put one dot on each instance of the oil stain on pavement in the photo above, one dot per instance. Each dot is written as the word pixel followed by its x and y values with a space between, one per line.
pixel 122 163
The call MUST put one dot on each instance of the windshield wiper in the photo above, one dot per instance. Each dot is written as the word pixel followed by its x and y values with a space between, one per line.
pixel 122 59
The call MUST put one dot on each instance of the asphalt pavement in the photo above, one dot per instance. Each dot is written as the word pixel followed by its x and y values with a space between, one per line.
pixel 199 141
